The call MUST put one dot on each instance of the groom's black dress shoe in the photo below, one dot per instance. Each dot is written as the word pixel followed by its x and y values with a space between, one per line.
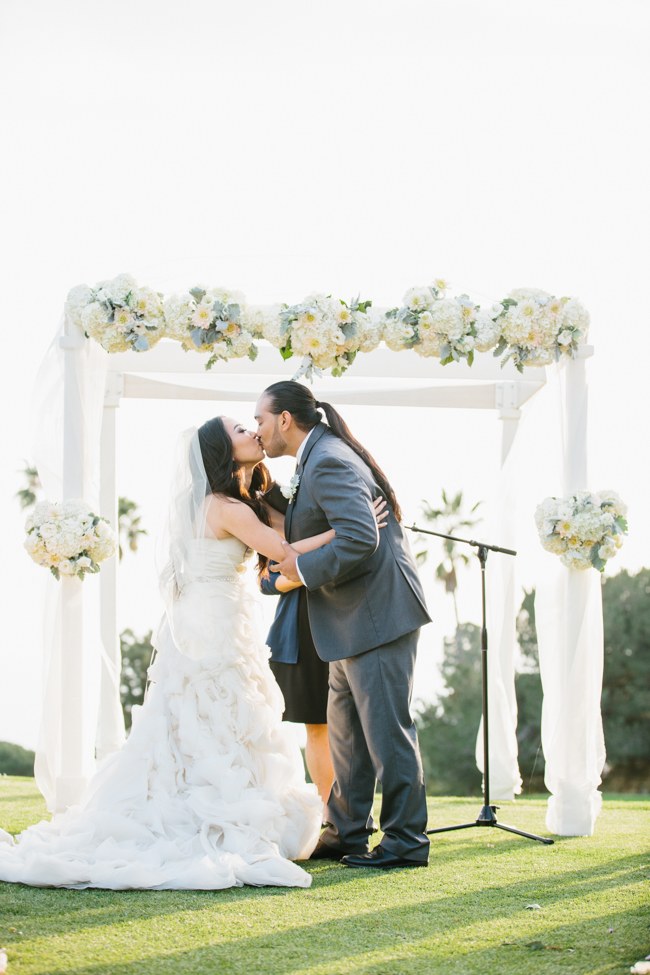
pixel 324 851
pixel 380 859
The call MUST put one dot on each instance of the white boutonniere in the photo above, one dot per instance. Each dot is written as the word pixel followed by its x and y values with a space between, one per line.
pixel 289 491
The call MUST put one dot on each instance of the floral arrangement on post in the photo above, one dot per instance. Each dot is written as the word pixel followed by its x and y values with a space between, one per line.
pixel 327 332
pixel 537 328
pixel 585 530
pixel 210 320
pixel 118 314
pixel 68 539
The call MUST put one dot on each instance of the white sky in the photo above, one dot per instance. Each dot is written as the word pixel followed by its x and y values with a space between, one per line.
pixel 286 147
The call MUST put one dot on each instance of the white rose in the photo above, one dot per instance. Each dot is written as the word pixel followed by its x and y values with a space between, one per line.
pixel 565 337
pixel 608 550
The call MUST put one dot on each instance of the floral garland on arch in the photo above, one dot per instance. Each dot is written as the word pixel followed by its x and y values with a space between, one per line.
pixel 585 529
pixel 528 326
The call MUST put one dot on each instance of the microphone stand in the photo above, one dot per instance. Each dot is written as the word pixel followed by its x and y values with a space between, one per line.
pixel 487 815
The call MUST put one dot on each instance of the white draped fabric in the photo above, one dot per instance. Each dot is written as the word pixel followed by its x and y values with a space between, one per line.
pixel 568 613
pixel 505 780
pixel 68 418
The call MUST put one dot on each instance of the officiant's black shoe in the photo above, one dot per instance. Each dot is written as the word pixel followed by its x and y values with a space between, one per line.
pixel 380 859
pixel 324 851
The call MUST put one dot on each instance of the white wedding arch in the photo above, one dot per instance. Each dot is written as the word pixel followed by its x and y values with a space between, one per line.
pixel 82 713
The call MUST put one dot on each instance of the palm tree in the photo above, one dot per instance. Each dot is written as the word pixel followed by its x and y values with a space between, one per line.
pixel 449 519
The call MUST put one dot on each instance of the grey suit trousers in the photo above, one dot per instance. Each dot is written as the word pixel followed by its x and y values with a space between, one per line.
pixel 373 736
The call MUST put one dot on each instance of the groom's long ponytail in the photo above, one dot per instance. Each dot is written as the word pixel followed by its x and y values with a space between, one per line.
pixel 298 400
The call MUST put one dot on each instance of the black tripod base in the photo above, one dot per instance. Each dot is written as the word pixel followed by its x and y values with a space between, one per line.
pixel 487 817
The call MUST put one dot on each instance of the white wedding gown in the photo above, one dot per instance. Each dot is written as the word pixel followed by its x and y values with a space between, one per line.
pixel 209 791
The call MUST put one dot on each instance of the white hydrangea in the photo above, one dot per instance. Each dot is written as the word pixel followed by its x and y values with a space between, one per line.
pixel 534 294
pixel 575 316
pixel 177 313
pixel 117 289
pixel 448 319
pixel 488 332
pixel 397 335
pixel 264 323
pixel 76 302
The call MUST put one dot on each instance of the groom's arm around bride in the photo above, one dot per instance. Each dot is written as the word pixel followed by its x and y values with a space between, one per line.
pixel 366 607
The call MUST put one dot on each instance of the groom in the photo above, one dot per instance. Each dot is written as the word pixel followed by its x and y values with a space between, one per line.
pixel 366 607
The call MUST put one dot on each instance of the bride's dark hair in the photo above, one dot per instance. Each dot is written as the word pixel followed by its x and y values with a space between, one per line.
pixel 298 400
pixel 225 476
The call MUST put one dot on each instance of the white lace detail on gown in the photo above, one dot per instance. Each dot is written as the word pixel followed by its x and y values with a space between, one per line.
pixel 208 792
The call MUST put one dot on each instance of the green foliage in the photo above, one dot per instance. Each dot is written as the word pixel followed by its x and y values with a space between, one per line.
pixel 136 657
pixel 447 729
pixel 128 519
pixel 28 495
pixel 15 760
pixel 528 688
pixel 626 700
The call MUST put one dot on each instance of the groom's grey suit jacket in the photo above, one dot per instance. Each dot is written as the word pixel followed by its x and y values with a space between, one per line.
pixel 363 589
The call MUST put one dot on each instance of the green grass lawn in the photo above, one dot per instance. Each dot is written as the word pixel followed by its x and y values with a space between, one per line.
pixel 467 913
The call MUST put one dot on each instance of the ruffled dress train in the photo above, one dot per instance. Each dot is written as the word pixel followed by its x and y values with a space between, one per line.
pixel 208 792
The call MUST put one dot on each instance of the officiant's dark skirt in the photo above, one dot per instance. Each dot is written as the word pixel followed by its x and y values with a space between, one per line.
pixel 304 685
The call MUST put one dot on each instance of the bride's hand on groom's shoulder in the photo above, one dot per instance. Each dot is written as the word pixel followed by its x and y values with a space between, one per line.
pixel 381 511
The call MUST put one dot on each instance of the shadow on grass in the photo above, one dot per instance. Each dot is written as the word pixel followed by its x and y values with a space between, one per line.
pixel 366 923
pixel 409 942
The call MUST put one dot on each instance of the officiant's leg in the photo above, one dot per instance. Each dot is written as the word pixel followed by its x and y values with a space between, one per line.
pixel 319 759
pixel 381 682
pixel 349 809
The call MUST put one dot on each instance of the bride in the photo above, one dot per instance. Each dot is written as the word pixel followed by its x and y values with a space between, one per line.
pixel 207 792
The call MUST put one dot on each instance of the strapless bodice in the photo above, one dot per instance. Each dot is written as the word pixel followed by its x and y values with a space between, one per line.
pixel 215 560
